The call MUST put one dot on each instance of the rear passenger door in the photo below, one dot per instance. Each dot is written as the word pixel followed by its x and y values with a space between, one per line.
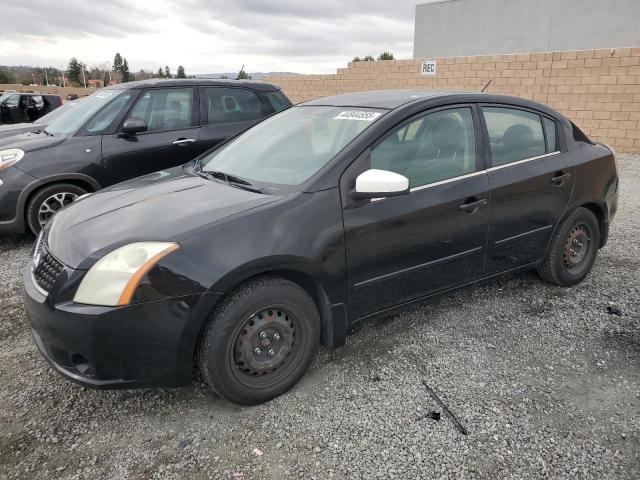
pixel 531 180
pixel 172 134
pixel 225 112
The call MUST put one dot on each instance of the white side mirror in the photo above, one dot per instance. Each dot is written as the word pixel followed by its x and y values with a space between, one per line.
pixel 380 183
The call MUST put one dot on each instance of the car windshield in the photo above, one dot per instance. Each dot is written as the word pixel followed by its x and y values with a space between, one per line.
pixel 55 114
pixel 289 147
pixel 4 96
pixel 67 125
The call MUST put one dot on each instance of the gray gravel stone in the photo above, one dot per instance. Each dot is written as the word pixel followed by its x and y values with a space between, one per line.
pixel 545 380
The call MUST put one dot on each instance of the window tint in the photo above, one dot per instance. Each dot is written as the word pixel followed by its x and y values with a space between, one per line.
pixel 228 105
pixel 550 132
pixel 165 109
pixel 277 101
pixel 105 118
pixel 13 101
pixel 435 147
pixel 514 134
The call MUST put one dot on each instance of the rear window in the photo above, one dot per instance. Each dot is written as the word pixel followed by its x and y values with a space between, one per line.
pixel 232 105
pixel 579 135
pixel 514 134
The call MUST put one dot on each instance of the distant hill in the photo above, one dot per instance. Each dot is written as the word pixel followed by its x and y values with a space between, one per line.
pixel 254 75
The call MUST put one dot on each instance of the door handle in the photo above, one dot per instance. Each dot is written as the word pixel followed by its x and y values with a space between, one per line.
pixel 560 177
pixel 184 141
pixel 472 205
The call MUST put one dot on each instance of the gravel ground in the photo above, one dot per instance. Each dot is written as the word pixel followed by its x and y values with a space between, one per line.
pixel 544 379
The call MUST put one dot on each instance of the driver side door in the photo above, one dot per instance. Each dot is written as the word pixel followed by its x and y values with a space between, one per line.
pixel 171 138
pixel 402 248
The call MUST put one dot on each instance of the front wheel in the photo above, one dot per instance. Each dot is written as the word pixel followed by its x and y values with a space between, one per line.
pixel 260 341
pixel 47 201
pixel 573 250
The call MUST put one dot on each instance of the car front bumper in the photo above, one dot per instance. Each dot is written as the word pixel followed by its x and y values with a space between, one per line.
pixel 13 183
pixel 137 346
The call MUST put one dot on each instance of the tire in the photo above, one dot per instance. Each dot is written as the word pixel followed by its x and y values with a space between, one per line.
pixel 561 266
pixel 66 193
pixel 271 315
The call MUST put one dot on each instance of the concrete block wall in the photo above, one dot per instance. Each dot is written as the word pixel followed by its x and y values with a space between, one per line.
pixel 598 89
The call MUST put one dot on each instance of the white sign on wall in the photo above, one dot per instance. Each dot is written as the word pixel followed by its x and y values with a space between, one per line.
pixel 428 67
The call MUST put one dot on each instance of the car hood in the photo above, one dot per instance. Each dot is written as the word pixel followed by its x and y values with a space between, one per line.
pixel 17 126
pixel 164 206
pixel 31 141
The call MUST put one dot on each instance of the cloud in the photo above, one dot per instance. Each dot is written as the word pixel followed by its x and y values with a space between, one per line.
pixel 206 35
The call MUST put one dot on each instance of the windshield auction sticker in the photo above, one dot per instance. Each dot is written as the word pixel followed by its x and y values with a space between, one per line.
pixel 356 115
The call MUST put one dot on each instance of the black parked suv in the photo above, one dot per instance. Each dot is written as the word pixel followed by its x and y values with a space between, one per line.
pixel 119 133
pixel 26 107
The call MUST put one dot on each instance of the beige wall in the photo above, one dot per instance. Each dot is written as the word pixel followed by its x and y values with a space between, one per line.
pixel 62 91
pixel 598 89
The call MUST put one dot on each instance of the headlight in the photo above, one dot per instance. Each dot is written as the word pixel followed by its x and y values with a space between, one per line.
pixel 10 156
pixel 113 279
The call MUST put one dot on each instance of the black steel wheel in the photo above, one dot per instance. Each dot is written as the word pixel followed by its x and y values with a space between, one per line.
pixel 573 249
pixel 260 341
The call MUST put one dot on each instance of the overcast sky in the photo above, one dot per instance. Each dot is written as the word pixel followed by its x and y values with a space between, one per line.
pixel 206 36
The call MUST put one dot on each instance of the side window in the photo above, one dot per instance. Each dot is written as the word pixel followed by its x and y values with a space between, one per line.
pixel 277 101
pixel 435 147
pixel 229 105
pixel 13 101
pixel 165 109
pixel 550 132
pixel 514 134
pixel 104 119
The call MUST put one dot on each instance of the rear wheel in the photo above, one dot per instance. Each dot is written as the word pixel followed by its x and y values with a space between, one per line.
pixel 47 201
pixel 573 251
pixel 260 341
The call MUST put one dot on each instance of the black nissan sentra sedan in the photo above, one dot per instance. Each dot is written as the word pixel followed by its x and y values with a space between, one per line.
pixel 324 215
pixel 121 132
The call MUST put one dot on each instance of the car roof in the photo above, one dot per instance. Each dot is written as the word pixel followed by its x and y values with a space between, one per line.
pixel 35 93
pixel 191 82
pixel 392 99
pixel 387 99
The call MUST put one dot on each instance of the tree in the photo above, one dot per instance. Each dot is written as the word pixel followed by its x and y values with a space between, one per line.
pixel 356 59
pixel 5 76
pixel 126 77
pixel 386 56
pixel 117 63
pixel 368 58
pixel 181 73
pixel 242 75
pixel 167 72
pixel 160 73
pixel 74 71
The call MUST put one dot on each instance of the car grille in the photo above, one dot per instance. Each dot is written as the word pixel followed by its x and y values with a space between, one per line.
pixel 48 269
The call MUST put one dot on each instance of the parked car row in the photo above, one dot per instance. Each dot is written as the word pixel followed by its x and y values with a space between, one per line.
pixel 326 214
pixel 38 125
pixel 26 107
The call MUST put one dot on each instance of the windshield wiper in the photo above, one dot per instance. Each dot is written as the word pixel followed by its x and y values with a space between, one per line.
pixel 229 179
pixel 45 131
